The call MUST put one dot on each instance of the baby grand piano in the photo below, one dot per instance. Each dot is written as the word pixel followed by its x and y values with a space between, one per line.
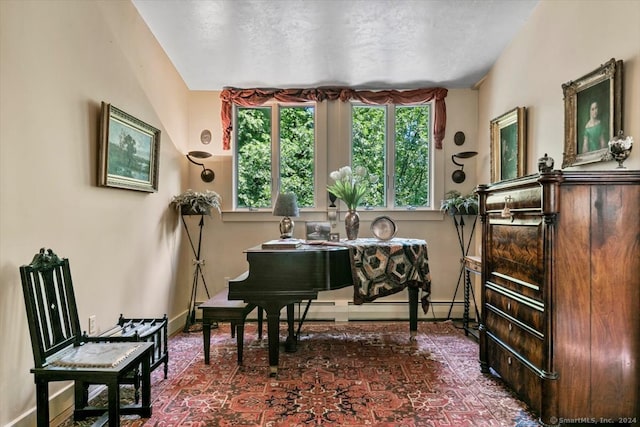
pixel 279 278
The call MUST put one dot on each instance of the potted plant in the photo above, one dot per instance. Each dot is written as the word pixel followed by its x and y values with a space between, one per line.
pixel 197 202
pixel 455 203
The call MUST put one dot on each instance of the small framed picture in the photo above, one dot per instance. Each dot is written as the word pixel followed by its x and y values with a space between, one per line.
pixel 318 230
pixel 592 114
pixel 128 151
pixel 508 145
pixel 334 237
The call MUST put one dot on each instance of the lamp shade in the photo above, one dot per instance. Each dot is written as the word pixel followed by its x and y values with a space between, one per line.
pixel 286 205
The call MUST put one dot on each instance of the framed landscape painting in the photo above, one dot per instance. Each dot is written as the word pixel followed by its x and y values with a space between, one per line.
pixel 508 145
pixel 128 153
pixel 592 114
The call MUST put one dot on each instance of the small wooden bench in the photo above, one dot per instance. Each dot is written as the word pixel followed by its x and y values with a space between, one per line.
pixel 221 309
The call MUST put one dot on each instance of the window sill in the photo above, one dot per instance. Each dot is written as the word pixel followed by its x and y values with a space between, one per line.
pixel 321 215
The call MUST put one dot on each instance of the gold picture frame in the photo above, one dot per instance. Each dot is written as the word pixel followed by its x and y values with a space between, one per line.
pixel 128 152
pixel 508 145
pixel 592 114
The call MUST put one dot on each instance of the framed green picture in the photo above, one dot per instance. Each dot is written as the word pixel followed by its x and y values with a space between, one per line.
pixel 508 145
pixel 128 153
pixel 592 114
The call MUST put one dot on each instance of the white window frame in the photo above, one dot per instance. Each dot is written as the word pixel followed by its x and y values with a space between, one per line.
pixel 390 144
pixel 275 107
pixel 332 151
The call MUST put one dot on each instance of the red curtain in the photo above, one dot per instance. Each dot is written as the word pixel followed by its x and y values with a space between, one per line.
pixel 255 97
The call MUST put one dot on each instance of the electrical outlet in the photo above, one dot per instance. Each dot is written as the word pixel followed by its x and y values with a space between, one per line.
pixel 92 325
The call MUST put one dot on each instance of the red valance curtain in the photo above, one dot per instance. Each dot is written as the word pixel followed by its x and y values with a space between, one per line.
pixel 255 97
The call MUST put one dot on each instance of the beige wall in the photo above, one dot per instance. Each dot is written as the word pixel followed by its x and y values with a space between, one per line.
pixel 127 249
pixel 562 41
pixel 59 60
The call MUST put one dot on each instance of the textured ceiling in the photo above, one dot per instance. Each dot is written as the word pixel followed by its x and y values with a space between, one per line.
pixel 375 44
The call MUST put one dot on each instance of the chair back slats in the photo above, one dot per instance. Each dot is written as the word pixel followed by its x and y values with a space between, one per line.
pixel 51 306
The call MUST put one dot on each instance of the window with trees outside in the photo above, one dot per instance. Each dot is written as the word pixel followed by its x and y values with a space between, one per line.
pixel 393 143
pixel 275 150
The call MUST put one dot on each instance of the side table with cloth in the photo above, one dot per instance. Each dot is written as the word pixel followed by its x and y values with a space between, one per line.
pixel 385 267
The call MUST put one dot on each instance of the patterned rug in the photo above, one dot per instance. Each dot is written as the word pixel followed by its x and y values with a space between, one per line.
pixel 343 374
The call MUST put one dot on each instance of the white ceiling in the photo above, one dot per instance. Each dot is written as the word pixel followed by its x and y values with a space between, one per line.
pixel 374 44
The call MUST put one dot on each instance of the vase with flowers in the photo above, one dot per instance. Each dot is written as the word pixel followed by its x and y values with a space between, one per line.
pixel 351 186
pixel 620 148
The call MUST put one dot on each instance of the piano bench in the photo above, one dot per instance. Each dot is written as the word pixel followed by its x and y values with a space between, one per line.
pixel 221 309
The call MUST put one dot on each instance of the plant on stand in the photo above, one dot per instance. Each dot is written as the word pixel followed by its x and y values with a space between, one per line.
pixel 455 203
pixel 351 187
pixel 197 202
pixel 457 206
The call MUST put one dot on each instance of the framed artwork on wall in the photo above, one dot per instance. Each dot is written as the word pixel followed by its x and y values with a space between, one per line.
pixel 508 145
pixel 128 152
pixel 592 114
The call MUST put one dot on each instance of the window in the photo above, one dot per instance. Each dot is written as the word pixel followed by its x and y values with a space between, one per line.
pixel 394 143
pixel 275 150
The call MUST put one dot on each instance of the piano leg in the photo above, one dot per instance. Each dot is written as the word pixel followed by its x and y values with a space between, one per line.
pixel 291 345
pixel 413 312
pixel 273 333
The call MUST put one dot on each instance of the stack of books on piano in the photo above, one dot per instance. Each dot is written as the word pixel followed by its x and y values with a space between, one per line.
pixel 282 244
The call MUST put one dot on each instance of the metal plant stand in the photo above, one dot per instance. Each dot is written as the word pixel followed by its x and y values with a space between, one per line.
pixel 465 244
pixel 197 273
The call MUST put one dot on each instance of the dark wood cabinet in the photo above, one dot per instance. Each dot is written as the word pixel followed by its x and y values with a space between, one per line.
pixel 561 292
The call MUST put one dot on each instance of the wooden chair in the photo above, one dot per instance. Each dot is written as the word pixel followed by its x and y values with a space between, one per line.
pixel 60 354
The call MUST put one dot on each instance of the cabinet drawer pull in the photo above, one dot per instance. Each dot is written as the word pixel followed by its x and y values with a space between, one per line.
pixel 509 361
pixel 509 306
pixel 510 327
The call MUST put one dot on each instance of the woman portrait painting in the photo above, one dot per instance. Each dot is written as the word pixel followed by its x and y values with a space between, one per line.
pixel 594 130
pixel 593 118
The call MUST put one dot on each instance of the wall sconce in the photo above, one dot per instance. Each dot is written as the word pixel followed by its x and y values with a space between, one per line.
pixel 459 176
pixel 207 175
pixel 286 206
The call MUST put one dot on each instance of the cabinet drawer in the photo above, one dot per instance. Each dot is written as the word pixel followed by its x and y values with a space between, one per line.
pixel 515 255
pixel 519 200
pixel 526 310
pixel 521 338
pixel 524 381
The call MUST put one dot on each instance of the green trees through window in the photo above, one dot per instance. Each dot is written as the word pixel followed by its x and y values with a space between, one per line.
pixel 276 148
pixel 407 137
pixel 294 149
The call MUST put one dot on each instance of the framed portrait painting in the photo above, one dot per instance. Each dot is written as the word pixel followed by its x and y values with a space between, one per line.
pixel 128 152
pixel 592 114
pixel 508 145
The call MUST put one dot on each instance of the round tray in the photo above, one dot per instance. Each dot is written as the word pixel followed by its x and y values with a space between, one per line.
pixel 383 228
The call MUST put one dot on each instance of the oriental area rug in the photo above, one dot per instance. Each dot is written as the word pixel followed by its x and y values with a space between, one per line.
pixel 343 374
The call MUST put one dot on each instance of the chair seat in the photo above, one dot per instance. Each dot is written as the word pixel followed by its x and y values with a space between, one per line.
pixel 98 355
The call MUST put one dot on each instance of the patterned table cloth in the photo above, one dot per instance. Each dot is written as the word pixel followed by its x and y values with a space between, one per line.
pixel 385 267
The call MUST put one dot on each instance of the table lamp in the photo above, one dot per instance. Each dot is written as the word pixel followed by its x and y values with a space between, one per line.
pixel 286 206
